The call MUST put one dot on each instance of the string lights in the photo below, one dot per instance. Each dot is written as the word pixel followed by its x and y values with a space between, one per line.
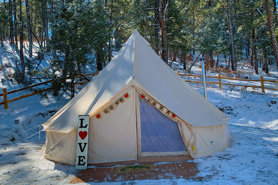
pixel 152 102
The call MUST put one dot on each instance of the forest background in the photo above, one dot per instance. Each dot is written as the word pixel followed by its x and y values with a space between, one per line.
pixel 76 33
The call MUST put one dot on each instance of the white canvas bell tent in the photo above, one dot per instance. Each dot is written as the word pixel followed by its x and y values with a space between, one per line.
pixel 138 107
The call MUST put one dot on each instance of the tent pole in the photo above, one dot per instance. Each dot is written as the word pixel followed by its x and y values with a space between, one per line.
pixel 204 80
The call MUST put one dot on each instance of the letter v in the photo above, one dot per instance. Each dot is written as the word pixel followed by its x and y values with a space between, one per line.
pixel 80 146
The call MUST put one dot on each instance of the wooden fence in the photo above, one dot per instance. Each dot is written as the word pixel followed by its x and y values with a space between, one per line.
pixel 5 93
pixel 219 82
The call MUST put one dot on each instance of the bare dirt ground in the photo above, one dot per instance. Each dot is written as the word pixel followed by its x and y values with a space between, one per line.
pixel 185 169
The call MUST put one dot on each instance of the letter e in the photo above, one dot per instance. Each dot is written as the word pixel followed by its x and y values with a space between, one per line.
pixel 81 160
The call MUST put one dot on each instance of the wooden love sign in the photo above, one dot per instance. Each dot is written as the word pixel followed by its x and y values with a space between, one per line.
pixel 82 142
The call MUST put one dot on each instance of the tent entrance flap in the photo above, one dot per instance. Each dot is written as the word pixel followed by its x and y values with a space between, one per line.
pixel 159 134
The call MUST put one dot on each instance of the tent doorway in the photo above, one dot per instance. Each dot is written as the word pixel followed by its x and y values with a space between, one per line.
pixel 159 135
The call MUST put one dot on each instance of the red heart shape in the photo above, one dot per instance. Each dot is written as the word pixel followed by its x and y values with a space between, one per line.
pixel 126 95
pixel 174 115
pixel 98 116
pixel 83 134
pixel 142 96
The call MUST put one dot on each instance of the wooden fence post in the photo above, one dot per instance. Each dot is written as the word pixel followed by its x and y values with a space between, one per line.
pixel 5 98
pixel 262 84
pixel 219 80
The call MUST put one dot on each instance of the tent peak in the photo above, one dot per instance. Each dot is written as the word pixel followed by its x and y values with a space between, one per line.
pixel 135 31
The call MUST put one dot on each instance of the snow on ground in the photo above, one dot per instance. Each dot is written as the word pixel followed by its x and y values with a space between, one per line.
pixel 252 158
pixel 7 66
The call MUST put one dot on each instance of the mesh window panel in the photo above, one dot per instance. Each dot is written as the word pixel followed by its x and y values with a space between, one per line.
pixel 158 132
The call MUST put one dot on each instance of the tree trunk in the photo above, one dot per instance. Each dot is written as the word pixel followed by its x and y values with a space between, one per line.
pixel 175 55
pixel 2 29
pixel 193 25
pixel 229 62
pixel 265 65
pixel 210 56
pixel 1 36
pixel 11 22
pixel 29 29
pixel 99 60
pixel 217 59
pixel 66 62
pixel 271 30
pixel 40 36
pixel 163 5
pixel 275 13
pixel 35 21
pixel 183 59
pixel 261 62
pixel 72 89
pixel 42 29
pixel 52 24
pixel 156 26
pixel 256 60
pixel 189 69
pixel 252 51
pixel 15 25
pixel 231 36
pixel 247 52
pixel 21 41
pixel 110 39
pixel 45 21
pixel 34 36
pixel 252 41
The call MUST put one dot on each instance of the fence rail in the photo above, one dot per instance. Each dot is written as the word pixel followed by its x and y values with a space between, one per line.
pixel 5 93
pixel 220 83
pixel 262 81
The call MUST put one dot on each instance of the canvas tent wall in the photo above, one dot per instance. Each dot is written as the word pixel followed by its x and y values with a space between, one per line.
pixel 197 127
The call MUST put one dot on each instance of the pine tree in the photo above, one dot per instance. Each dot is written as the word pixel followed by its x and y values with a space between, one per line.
pixel 15 23
pixel 22 61
pixel 80 29
pixel 11 22
pixel 4 18
pixel 163 9
pixel 101 33
pixel 271 30
pixel 29 27
pixel 231 36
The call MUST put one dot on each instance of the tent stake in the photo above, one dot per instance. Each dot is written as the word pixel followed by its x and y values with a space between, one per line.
pixel 204 80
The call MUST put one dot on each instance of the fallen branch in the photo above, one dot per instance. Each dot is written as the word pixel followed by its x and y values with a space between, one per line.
pixel 189 69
